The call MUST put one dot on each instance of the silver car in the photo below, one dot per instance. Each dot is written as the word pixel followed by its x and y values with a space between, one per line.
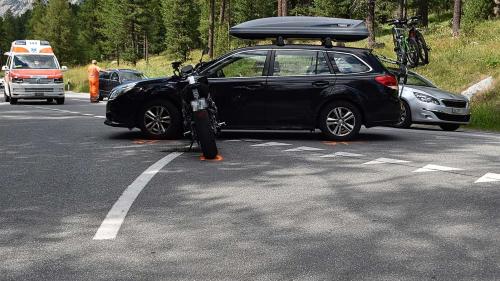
pixel 423 103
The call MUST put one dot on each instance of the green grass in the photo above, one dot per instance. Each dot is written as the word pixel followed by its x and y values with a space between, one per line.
pixel 486 110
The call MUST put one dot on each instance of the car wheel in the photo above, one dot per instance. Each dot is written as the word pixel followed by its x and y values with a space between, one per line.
pixel 449 127
pixel 405 118
pixel 340 121
pixel 60 100
pixel 13 101
pixel 160 120
pixel 50 100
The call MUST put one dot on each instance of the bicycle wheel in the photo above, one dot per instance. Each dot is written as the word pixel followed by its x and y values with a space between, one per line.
pixel 412 52
pixel 423 48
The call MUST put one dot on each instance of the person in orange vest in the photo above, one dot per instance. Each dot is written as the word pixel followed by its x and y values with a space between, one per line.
pixel 93 72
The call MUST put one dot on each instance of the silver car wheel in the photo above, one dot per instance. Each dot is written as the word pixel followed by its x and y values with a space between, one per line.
pixel 157 119
pixel 340 121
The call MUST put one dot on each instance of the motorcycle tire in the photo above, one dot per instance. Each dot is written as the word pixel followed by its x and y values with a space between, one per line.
pixel 205 134
pixel 423 49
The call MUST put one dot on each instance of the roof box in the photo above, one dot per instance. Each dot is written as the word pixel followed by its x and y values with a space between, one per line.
pixel 343 30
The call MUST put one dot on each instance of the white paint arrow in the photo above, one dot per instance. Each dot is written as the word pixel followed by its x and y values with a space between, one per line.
pixel 271 144
pixel 342 154
pixel 489 177
pixel 385 161
pixel 435 168
pixel 303 148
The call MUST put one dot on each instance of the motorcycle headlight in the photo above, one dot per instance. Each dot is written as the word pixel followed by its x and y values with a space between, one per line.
pixel 426 98
pixel 120 90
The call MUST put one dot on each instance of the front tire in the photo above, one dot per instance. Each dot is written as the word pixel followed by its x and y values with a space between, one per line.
pixel 5 97
pixel 50 100
pixel 60 100
pixel 405 118
pixel 449 127
pixel 13 101
pixel 413 52
pixel 340 121
pixel 205 134
pixel 160 119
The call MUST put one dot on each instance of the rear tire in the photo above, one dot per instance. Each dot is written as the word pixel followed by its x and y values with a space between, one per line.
pixel 13 101
pixel 205 134
pixel 60 100
pixel 405 119
pixel 449 127
pixel 340 121
pixel 160 119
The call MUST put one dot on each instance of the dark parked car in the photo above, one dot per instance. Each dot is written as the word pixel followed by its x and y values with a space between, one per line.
pixel 113 77
pixel 335 89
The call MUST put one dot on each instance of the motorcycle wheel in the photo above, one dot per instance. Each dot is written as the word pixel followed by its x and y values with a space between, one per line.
pixel 205 134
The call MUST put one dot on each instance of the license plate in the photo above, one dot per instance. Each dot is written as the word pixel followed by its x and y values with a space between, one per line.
pixel 38 94
pixel 457 110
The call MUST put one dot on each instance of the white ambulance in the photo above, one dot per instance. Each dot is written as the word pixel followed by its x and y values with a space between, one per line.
pixel 32 72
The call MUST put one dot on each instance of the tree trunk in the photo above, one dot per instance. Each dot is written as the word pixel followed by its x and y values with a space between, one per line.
pixel 211 29
pixel 370 23
pixel 284 8
pixel 222 15
pixel 423 11
pixel 280 8
pixel 401 9
pixel 457 15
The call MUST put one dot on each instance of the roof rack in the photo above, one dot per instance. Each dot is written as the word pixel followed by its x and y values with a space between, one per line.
pixel 325 29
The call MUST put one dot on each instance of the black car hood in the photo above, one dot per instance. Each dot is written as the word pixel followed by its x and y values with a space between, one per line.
pixel 155 81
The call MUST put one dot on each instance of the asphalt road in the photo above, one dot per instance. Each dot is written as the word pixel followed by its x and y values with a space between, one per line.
pixel 279 206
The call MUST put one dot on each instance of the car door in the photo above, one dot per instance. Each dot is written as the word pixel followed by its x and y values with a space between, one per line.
pixel 235 82
pixel 114 80
pixel 103 82
pixel 298 80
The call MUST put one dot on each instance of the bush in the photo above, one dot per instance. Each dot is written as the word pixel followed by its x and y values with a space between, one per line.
pixel 475 11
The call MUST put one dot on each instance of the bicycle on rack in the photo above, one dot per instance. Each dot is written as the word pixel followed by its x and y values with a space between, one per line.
pixel 409 43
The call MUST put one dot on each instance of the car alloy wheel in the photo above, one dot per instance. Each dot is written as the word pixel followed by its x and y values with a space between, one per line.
pixel 405 117
pixel 341 121
pixel 157 119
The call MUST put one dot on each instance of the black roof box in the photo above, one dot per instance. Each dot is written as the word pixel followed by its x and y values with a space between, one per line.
pixel 343 30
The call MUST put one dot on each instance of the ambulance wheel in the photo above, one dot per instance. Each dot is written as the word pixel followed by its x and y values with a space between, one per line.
pixel 5 97
pixel 50 100
pixel 13 101
pixel 60 101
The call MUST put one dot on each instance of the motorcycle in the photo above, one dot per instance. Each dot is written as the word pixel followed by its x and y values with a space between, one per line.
pixel 198 109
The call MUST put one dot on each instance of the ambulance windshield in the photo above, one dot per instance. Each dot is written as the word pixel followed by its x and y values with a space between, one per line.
pixel 34 62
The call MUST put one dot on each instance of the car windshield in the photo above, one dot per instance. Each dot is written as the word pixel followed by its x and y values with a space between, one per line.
pixel 132 76
pixel 34 62
pixel 417 80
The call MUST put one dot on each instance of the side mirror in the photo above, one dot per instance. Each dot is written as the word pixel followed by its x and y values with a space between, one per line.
pixel 5 68
pixel 187 69
pixel 64 68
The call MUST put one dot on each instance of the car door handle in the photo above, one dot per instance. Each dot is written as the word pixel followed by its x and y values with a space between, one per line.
pixel 321 83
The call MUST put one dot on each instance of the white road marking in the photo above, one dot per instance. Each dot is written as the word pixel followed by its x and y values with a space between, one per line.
pixel 271 144
pixel 70 112
pixel 342 154
pixel 232 140
pixel 385 161
pixel 435 168
pixel 303 148
pixel 489 177
pixel 113 221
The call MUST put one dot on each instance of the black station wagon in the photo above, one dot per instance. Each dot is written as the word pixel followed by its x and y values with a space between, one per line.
pixel 335 89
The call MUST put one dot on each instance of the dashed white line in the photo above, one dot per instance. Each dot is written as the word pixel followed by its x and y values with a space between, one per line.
pixel 271 144
pixel 385 161
pixel 342 154
pixel 489 177
pixel 435 168
pixel 303 148
pixel 111 225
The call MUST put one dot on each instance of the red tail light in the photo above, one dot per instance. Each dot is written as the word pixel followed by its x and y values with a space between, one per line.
pixel 388 81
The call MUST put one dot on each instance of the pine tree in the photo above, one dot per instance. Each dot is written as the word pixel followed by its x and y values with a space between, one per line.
pixel 457 15
pixel 475 11
pixel 89 37
pixel 181 18
pixel 36 26
pixel 59 30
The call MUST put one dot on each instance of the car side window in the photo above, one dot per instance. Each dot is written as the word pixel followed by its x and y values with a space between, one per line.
pixel 103 75
pixel 245 64
pixel 346 63
pixel 299 63
pixel 114 76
